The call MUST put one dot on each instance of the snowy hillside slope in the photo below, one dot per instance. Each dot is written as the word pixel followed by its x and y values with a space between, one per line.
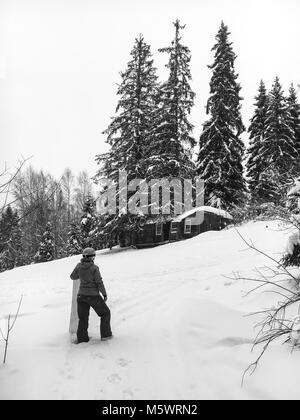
pixel 179 325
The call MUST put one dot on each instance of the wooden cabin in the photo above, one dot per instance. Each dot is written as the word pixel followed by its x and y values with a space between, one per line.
pixel 155 232
pixel 158 231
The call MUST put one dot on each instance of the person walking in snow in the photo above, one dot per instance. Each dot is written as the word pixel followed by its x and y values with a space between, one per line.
pixel 91 285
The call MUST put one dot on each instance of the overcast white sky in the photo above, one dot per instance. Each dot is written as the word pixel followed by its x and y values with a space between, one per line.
pixel 60 62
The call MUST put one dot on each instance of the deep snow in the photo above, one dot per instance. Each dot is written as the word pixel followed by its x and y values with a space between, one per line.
pixel 180 326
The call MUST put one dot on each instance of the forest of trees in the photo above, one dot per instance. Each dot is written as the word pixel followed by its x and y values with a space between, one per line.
pixel 150 137
pixel 47 218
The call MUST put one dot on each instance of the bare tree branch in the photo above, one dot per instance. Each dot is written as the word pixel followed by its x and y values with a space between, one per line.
pixel 9 328
pixel 274 324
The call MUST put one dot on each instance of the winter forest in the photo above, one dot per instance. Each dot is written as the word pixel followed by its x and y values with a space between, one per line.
pixel 151 137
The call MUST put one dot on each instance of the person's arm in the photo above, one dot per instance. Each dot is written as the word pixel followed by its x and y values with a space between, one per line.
pixel 75 274
pixel 99 282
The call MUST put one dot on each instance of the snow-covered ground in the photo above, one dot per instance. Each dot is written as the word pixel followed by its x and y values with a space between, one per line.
pixel 179 325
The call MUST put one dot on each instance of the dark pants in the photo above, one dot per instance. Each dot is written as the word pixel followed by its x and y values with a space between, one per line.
pixel 84 303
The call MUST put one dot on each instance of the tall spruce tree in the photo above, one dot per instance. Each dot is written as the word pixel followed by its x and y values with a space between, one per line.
pixel 255 164
pixel 278 150
pixel 171 144
pixel 221 150
pixel 268 187
pixel 129 129
pixel 294 109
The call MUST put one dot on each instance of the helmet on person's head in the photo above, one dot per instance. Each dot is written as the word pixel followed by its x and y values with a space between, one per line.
pixel 89 252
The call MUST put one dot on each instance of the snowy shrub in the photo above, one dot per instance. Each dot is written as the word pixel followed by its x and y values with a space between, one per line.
pixel 292 257
pixel 46 249
pixel 256 211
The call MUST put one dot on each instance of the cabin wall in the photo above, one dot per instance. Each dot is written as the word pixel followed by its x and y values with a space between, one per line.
pixel 148 235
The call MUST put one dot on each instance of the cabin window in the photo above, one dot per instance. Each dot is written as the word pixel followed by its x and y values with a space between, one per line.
pixel 188 226
pixel 173 227
pixel 158 229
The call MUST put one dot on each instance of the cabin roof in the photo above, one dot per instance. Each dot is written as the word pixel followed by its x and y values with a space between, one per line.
pixel 207 209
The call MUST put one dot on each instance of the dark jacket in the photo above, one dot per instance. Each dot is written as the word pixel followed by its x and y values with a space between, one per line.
pixel 90 278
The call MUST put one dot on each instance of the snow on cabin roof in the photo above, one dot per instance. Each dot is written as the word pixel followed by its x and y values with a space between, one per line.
pixel 207 209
